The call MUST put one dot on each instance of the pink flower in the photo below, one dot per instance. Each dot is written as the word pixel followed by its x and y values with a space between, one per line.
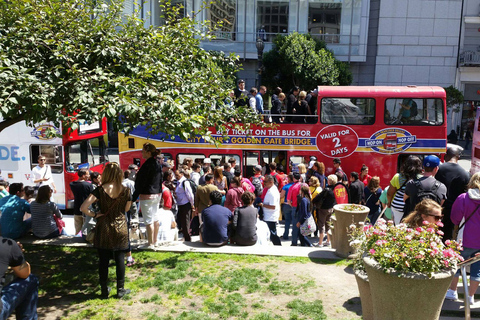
pixel 365 228
pixel 421 241
pixel 419 256
pixel 439 223
pixel 419 229
pixel 446 263
pixel 425 223
pixel 440 232
pixel 409 230
pixel 372 251
pixel 433 244
pixel 408 238
pixel 431 230
pixel 448 242
pixel 403 255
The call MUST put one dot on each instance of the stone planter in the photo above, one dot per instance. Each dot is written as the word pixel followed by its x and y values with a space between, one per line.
pixel 399 296
pixel 344 219
pixel 365 295
pixel 333 239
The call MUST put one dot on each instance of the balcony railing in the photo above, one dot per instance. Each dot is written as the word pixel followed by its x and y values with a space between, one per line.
pixel 470 58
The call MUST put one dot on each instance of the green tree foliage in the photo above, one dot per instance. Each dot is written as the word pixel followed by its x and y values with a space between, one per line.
pixel 64 60
pixel 299 60
pixel 454 97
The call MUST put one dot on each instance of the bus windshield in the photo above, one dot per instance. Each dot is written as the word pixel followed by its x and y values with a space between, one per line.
pixel 85 154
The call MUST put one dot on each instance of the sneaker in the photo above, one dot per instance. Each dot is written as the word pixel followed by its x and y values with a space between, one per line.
pixel 326 244
pixel 130 263
pixel 471 300
pixel 451 295
pixel 122 292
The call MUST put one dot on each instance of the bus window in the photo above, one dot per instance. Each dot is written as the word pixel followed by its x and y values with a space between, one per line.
pixel 348 111
pixel 195 157
pixel 52 153
pixel 267 158
pixel 221 159
pixel 250 161
pixel 295 161
pixel 420 112
pixel 85 154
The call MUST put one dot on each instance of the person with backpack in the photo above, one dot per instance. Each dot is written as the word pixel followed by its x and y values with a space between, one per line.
pixel 273 166
pixel 426 187
pixel 257 180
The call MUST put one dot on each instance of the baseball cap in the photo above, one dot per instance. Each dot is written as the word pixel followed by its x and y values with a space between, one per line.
pixel 167 165
pixel 241 81
pixel 454 150
pixel 207 160
pixel 431 161
pixel 310 165
pixel 313 158
pixel 258 167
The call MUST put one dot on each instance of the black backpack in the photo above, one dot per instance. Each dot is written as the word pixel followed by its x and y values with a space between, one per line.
pixel 422 194
pixel 193 185
pixel 257 183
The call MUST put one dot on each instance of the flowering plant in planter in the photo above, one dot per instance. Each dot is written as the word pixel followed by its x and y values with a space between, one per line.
pixel 404 249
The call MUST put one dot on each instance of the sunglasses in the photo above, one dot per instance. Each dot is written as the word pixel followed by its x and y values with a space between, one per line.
pixel 43 160
pixel 437 218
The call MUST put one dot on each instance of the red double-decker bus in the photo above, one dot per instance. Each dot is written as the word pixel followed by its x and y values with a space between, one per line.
pixel 375 126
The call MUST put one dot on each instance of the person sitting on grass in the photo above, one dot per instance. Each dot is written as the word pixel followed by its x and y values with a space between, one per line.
pixel 43 210
pixel 13 208
pixel 245 222
pixel 21 295
pixel 215 220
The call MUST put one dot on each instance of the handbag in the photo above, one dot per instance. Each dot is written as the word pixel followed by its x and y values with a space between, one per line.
pixel 457 228
pixel 60 223
pixel 308 226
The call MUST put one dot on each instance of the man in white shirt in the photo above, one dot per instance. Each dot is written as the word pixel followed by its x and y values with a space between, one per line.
pixel 42 174
pixel 271 208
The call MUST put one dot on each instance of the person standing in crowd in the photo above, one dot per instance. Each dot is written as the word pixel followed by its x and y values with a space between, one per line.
pixel 241 94
pixel 227 173
pixel 202 196
pixel 304 213
pixel 301 108
pixel 13 208
pixel 259 99
pixel 147 190
pixel 337 164
pixel 185 202
pixel 43 210
pixel 245 222
pixel 324 203
pixel 133 171
pixel 233 165
pixel 292 200
pixel 277 102
pixel 286 208
pixel 410 169
pixel 132 213
pixel 340 190
pixel 291 101
pixel 452 137
pixel 21 295
pixel 195 175
pixel 167 231
pixel 319 172
pixel 271 208
pixel 257 180
pixel 468 139
pixel 81 189
pixel 372 193
pixel 425 187
pixel 364 176
pixel 215 220
pixel 314 186
pixel 281 159
pixel 252 102
pixel 111 231
pixel 356 188
pixel 280 175
pixel 96 179
pixel 456 179
pixel 207 169
pixel 303 172
pixel 42 174
pixel 467 208
pixel 220 180
pixel 3 188
pixel 233 199
pixel 312 106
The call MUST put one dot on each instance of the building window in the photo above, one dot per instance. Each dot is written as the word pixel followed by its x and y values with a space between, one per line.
pixel 225 13
pixel 324 21
pixel 272 19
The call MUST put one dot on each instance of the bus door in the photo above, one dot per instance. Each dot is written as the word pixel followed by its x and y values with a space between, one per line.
pixel 266 158
pixel 250 160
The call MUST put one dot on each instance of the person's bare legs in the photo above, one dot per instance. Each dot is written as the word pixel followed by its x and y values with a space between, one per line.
pixel 150 231
pixel 473 287
pixel 156 227
pixel 454 284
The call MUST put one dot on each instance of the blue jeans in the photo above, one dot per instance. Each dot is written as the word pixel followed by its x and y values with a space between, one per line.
pixel 20 296
pixel 287 216
pixel 468 253
pixel 295 229
pixel 304 242
pixel 272 225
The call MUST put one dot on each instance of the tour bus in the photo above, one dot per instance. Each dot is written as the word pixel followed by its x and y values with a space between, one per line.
pixel 358 124
pixel 20 146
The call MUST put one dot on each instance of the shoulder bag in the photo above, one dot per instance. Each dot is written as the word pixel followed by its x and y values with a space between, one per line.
pixel 457 227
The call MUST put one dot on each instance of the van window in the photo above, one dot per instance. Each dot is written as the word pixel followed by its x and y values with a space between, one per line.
pixel 85 154
pixel 53 154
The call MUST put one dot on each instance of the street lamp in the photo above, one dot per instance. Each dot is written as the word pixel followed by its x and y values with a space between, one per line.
pixel 260 46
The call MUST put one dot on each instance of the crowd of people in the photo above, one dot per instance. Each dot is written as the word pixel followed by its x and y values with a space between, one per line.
pixel 223 207
pixel 299 106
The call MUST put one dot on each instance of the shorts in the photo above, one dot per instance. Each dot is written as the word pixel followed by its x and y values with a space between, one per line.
pixel 150 210
pixel 474 268
pixel 323 219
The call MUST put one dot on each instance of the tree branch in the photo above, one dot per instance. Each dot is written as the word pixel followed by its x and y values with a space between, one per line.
pixel 10 121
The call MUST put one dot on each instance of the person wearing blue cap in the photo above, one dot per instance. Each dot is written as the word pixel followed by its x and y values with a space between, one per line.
pixel 425 187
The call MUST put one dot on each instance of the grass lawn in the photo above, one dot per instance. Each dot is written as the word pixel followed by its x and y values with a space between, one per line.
pixel 192 286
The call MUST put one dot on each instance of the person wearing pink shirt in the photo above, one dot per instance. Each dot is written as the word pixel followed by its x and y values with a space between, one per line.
pixel 292 201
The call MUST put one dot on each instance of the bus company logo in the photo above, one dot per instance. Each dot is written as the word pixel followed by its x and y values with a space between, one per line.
pixel 391 140
pixel 40 131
